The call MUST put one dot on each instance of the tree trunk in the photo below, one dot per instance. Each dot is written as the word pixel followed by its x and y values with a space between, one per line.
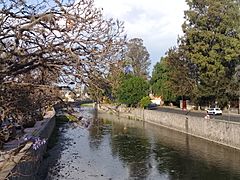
pixel 239 104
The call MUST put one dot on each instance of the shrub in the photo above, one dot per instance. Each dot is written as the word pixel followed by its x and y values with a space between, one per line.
pixel 145 101
pixel 132 90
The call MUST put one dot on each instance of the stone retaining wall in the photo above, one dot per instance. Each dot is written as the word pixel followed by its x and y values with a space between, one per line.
pixel 22 163
pixel 222 132
pixel 195 147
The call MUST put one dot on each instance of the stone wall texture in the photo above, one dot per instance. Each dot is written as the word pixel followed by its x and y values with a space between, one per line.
pixel 222 132
pixel 28 160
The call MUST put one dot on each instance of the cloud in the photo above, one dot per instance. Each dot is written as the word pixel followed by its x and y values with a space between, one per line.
pixel 157 22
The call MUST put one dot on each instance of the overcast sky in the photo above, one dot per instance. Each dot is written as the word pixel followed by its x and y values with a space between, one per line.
pixel 157 22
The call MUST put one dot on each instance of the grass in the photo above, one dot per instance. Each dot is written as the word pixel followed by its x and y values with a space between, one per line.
pixel 71 118
pixel 87 105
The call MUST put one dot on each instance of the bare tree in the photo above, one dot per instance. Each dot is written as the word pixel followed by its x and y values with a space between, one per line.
pixel 138 57
pixel 50 42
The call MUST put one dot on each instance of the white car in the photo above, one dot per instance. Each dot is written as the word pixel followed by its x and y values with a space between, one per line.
pixel 214 111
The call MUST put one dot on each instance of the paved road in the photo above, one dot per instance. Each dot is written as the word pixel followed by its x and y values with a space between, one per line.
pixel 225 116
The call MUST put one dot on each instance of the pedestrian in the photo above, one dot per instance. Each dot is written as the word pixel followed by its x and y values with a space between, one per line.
pixel 207 117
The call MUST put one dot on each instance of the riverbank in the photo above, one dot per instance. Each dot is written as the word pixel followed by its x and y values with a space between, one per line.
pixel 22 161
pixel 218 131
pixel 197 148
pixel 119 148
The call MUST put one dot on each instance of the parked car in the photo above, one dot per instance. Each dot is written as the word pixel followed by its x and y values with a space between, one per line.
pixel 152 106
pixel 214 111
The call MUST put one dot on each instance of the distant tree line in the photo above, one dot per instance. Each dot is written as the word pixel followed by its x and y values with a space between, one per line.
pixel 44 44
pixel 203 67
pixel 128 78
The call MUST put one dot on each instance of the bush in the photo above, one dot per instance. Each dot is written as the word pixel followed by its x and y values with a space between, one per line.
pixel 132 90
pixel 145 102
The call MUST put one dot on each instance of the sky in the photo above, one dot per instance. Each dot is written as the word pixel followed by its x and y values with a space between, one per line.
pixel 157 22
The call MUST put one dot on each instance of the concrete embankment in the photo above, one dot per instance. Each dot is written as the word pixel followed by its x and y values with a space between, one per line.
pixel 22 161
pixel 219 131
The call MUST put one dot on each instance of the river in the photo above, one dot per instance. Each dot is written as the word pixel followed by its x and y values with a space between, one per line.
pixel 113 148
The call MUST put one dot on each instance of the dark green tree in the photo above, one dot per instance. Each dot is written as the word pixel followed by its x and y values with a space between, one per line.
pixel 181 74
pixel 237 85
pixel 211 42
pixel 138 57
pixel 160 81
pixel 132 90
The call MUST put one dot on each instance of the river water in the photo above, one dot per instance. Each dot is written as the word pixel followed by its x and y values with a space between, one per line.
pixel 113 148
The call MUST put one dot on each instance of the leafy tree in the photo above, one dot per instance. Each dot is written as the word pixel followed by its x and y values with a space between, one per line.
pixel 237 85
pixel 160 81
pixel 132 90
pixel 181 74
pixel 211 43
pixel 138 57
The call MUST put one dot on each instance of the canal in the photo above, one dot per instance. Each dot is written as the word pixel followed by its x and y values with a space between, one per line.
pixel 112 148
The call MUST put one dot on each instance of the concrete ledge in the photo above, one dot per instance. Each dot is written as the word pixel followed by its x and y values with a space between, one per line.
pixel 211 153
pixel 218 131
pixel 22 162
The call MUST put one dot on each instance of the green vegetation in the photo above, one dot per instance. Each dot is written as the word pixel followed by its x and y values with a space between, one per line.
pixel 180 74
pixel 211 45
pixel 204 63
pixel 132 90
pixel 202 68
pixel 71 118
pixel 126 81
pixel 160 81
pixel 60 120
pixel 145 101
pixel 87 105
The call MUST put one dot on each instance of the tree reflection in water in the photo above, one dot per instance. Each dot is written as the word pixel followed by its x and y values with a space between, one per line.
pixel 132 148
pixel 98 129
pixel 180 165
pixel 96 134
pixel 126 149
pixel 142 155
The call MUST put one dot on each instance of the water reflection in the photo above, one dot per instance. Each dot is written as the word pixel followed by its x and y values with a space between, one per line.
pixel 176 155
pixel 193 158
pixel 96 134
pixel 115 148
pixel 133 149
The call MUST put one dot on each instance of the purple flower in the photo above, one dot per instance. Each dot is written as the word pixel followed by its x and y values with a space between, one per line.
pixel 37 141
